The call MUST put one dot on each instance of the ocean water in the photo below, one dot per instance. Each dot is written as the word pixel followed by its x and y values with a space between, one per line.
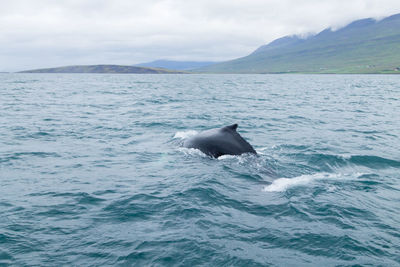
pixel 92 172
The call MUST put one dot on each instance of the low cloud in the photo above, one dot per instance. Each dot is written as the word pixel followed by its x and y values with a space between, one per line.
pixel 46 33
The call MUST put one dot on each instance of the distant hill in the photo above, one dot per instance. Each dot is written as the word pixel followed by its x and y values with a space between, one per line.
pixel 363 46
pixel 176 65
pixel 102 69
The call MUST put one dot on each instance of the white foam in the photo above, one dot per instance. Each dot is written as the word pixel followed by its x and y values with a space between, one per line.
pixel 192 151
pixel 223 157
pixel 185 134
pixel 282 184
pixel 346 156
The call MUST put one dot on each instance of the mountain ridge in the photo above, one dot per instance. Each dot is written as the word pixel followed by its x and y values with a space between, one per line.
pixel 176 65
pixel 103 68
pixel 363 46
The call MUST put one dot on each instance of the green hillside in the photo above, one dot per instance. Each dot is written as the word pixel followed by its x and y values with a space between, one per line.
pixel 102 69
pixel 364 46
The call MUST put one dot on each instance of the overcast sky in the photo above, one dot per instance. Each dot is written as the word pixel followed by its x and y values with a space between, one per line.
pixel 49 33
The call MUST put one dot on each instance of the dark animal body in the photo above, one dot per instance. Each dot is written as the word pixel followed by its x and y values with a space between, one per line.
pixel 218 142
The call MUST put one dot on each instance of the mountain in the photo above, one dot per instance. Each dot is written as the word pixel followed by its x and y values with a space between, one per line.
pixel 176 65
pixel 102 69
pixel 363 46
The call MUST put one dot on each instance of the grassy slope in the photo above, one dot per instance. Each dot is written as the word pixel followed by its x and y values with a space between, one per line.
pixel 364 46
pixel 102 69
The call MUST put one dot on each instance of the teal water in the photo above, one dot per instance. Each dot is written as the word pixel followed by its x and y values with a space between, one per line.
pixel 92 171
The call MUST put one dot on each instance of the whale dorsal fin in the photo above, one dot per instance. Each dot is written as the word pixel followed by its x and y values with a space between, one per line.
pixel 233 127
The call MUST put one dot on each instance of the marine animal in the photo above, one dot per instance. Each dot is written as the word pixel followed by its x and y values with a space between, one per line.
pixel 220 141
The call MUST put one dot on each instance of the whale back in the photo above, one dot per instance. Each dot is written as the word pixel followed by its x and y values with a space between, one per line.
pixel 221 141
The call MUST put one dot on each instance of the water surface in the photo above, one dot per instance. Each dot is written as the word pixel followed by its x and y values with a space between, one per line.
pixel 92 171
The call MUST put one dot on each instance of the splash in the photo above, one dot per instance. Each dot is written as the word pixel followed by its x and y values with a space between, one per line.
pixel 185 134
pixel 192 152
pixel 223 157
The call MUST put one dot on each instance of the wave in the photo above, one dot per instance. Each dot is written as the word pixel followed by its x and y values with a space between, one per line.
pixel 326 162
pixel 374 162
pixel 282 184
pixel 20 155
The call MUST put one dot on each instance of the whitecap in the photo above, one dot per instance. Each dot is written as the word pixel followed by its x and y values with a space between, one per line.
pixel 282 184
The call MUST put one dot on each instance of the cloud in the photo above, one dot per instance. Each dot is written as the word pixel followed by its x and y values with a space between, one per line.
pixel 45 33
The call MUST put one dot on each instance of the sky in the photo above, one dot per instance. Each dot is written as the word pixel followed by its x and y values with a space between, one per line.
pixel 50 33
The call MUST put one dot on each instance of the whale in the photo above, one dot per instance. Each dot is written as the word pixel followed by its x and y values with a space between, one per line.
pixel 220 141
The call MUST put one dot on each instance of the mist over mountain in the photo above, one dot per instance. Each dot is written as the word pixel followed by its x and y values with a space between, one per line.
pixel 363 46
pixel 176 65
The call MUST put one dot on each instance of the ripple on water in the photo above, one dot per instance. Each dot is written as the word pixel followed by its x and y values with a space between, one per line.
pixel 92 171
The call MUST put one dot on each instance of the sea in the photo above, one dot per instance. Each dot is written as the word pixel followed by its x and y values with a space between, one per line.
pixel 93 172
